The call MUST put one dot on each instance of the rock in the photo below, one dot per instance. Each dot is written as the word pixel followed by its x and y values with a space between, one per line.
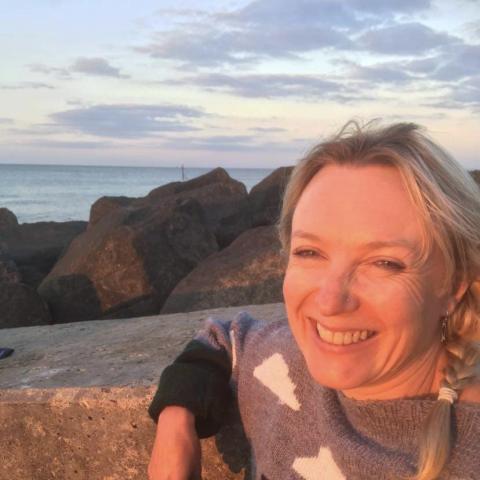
pixel 104 205
pixel 8 270
pixel 249 271
pixel 7 219
pixel 265 198
pixel 35 247
pixel 128 262
pixel 20 306
pixel 225 202
pixel 71 298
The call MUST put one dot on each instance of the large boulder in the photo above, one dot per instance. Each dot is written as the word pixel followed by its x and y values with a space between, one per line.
pixel 249 271
pixel 8 269
pixel 265 198
pixel 21 306
pixel 105 205
pixel 129 261
pixel 35 247
pixel 8 219
pixel 225 202
pixel 136 250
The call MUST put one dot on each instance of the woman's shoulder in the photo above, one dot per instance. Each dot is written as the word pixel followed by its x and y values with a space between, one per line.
pixel 471 393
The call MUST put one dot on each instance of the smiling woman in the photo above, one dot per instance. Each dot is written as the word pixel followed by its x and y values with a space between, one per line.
pixel 382 232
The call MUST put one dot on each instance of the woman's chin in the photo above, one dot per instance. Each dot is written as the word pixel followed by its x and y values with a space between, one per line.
pixel 338 375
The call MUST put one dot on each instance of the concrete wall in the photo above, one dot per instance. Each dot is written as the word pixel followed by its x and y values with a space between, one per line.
pixel 74 398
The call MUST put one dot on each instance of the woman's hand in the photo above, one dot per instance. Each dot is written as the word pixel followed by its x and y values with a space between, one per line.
pixel 176 452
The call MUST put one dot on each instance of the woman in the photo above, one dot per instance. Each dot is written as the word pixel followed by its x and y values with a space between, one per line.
pixel 376 374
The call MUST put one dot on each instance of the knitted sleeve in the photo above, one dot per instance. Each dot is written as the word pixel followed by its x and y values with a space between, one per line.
pixel 200 379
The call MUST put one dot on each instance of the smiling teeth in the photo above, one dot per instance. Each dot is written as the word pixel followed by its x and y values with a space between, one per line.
pixel 343 338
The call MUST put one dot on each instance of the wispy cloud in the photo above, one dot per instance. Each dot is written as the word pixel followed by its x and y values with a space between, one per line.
pixel 268 129
pixel 464 94
pixel 266 29
pixel 233 143
pixel 215 47
pixel 65 144
pixel 96 66
pixel 405 39
pixel 27 85
pixel 463 61
pixel 128 121
pixel 380 73
pixel 270 85
pixel 62 73
pixel 451 65
pixel 86 65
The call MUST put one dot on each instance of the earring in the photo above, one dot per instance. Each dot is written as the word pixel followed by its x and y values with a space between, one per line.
pixel 444 328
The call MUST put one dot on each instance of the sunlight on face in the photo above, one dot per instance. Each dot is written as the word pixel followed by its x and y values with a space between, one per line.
pixel 365 314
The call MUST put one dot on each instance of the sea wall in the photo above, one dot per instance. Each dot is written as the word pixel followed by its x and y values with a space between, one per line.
pixel 74 398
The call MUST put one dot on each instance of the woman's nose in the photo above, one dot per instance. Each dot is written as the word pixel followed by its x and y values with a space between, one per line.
pixel 333 294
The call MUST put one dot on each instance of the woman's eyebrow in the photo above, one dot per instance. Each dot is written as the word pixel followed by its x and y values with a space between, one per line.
pixel 371 245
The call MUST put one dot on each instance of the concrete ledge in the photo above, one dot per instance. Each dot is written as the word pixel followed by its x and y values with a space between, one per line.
pixel 74 398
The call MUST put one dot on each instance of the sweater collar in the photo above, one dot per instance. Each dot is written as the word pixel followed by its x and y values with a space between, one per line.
pixel 398 422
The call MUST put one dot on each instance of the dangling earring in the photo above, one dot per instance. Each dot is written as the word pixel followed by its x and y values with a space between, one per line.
pixel 444 328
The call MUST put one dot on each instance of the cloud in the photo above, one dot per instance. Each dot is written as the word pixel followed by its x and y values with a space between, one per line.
pixel 65 144
pixel 214 48
pixel 459 96
pixel 425 65
pixel 96 66
pixel 380 7
pixel 128 121
pixel 452 64
pixel 27 85
pixel 461 62
pixel 347 14
pixel 45 69
pixel 42 129
pixel 269 86
pixel 262 29
pixel 467 93
pixel 276 13
pixel 405 39
pixel 381 73
pixel 6 121
pixel 268 129
pixel 215 143
pixel 265 29
pixel 87 65
pixel 233 143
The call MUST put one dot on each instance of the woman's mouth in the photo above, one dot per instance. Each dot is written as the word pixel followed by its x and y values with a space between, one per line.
pixel 343 338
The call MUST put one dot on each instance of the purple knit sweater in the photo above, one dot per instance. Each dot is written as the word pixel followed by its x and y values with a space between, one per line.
pixel 303 431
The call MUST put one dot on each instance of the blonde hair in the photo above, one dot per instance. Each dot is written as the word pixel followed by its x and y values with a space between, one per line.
pixel 448 202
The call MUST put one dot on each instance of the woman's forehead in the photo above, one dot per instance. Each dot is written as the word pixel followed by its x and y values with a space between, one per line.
pixel 369 202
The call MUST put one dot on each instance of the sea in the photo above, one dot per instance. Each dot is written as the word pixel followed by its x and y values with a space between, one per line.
pixel 39 193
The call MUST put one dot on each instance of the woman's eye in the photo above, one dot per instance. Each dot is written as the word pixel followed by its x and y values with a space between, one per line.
pixel 305 253
pixel 389 265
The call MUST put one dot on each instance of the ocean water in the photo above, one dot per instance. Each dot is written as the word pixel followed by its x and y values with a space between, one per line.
pixel 59 193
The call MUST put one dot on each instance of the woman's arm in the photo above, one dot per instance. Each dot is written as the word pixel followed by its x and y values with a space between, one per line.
pixel 193 397
pixel 198 380
pixel 176 453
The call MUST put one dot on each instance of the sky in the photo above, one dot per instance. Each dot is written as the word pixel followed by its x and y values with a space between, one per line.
pixel 235 83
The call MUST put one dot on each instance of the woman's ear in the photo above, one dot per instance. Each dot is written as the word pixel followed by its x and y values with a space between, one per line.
pixel 457 294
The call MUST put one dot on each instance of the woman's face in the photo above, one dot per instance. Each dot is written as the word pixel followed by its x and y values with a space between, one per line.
pixel 365 314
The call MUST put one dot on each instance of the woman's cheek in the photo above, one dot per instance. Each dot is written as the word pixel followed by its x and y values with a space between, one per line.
pixel 288 286
pixel 297 283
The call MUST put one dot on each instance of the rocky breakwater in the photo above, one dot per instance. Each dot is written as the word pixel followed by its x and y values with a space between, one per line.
pixel 27 253
pixel 135 253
